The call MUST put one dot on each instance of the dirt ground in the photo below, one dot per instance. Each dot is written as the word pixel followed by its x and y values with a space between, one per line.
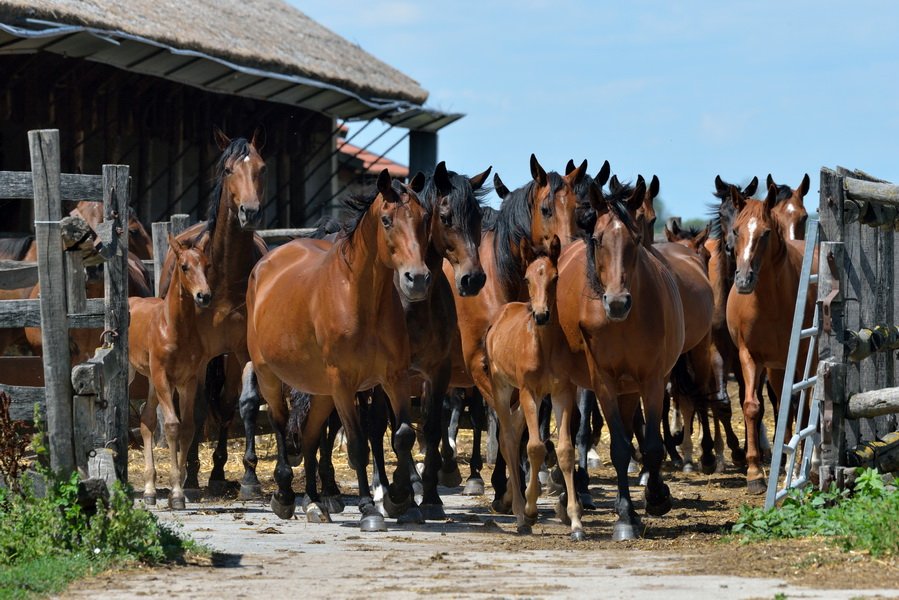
pixel 476 553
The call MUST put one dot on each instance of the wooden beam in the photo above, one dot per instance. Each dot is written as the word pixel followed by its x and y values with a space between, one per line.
pixel 871 191
pixel 16 274
pixel 17 185
pixel 23 400
pixel 160 232
pixel 27 313
pixel 866 405
pixel 44 147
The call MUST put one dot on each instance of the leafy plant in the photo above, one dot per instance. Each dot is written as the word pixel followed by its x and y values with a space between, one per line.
pixel 13 444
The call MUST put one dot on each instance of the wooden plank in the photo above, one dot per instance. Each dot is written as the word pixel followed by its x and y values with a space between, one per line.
pixel 116 197
pixel 15 274
pixel 871 191
pixel 160 232
pixel 284 234
pixel 44 148
pixel 23 399
pixel 180 222
pixel 884 401
pixel 76 299
pixel 27 313
pixel 18 185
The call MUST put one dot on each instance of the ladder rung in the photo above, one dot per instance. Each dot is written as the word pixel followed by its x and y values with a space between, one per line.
pixel 805 384
pixel 806 333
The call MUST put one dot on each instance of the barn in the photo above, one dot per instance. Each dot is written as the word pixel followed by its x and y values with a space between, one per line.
pixel 143 83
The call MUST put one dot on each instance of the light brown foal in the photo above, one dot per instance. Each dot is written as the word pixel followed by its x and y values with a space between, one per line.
pixel 164 345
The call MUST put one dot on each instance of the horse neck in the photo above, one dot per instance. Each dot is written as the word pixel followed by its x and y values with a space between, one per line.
pixel 362 267
pixel 233 252
pixel 778 274
pixel 178 308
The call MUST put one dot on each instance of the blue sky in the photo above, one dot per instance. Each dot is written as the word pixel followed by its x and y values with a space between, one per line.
pixel 685 90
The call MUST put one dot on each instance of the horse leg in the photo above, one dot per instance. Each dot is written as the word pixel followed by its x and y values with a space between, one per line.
pixel 477 413
pixel 330 492
pixel 492 437
pixel 147 429
pixel 583 438
pixel 667 437
pixel 687 409
pixel 192 466
pixel 374 417
pixel 171 426
pixel 510 448
pixel 449 430
pixel 752 372
pixel 399 500
pixel 248 402
pixel 225 381
pixel 564 398
pixel 536 450
pixel 186 395
pixel 656 493
pixel 432 403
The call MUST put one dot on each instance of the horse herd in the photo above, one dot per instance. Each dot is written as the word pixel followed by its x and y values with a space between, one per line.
pixel 560 298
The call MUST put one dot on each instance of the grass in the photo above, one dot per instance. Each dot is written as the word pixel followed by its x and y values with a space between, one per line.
pixel 865 519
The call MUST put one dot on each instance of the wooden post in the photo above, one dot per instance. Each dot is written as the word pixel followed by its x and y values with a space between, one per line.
pixel 44 147
pixel 160 232
pixel 116 196
pixel 180 222
pixel 76 298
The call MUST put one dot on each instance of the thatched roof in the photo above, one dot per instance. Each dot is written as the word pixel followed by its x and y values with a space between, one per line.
pixel 266 34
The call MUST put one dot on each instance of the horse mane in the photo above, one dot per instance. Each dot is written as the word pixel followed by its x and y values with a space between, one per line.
pixel 326 226
pixel 616 201
pixel 15 248
pixel 784 192
pixel 513 223
pixel 489 216
pixel 584 213
pixel 717 231
pixel 355 207
pixel 463 199
pixel 237 149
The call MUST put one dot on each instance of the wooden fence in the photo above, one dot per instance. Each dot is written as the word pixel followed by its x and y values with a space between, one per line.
pixel 859 335
pixel 86 407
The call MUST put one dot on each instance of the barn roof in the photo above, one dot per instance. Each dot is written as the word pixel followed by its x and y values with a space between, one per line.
pixel 264 49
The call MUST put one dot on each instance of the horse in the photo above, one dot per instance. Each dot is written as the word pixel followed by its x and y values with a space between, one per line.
pixel 140 243
pixel 541 209
pixel 326 319
pixel 164 345
pixel 527 350
pixel 621 313
pixel 790 209
pixel 759 309
pixel 233 249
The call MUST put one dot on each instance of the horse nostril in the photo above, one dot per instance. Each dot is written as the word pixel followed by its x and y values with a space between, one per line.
pixel 428 278
pixel 409 277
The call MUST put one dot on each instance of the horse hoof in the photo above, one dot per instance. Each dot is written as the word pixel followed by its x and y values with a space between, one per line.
pixel 373 522
pixel 316 513
pixel 249 491
pixel 432 512
pixel 578 535
pixel 660 508
pixel 633 467
pixel 623 531
pixel 412 516
pixel 644 478
pixel 474 487
pixel 689 467
pixel 294 460
pixel 677 464
pixel 500 507
pixel 177 503
pixel 332 504
pixel 756 486
pixel 149 500
pixel 395 509
pixel 282 510
pixel 193 494
pixel 708 467
pixel 450 478
pixel 719 466
pixel 524 529
pixel 586 501
pixel 217 487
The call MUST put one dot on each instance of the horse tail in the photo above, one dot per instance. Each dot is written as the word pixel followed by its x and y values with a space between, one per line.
pixel 683 382
pixel 300 403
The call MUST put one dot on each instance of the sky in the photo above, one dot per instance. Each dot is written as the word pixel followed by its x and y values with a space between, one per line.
pixel 684 90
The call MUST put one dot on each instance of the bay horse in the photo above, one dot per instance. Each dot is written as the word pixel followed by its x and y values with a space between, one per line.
pixel 541 209
pixel 790 209
pixel 232 251
pixel 622 316
pixel 759 309
pixel 164 345
pixel 326 319
pixel 140 243
pixel 527 350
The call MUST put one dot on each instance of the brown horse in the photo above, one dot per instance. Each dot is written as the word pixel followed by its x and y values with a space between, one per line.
pixel 232 252
pixel 790 209
pixel 525 347
pixel 327 319
pixel 622 316
pixel 164 345
pixel 759 309
pixel 140 244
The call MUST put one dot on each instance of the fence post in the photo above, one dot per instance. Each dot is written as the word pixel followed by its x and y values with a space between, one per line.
pixel 160 233
pixel 180 222
pixel 116 195
pixel 44 148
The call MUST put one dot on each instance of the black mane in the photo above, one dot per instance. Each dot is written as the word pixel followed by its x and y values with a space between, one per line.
pixel 465 201
pixel 237 149
pixel 784 192
pixel 15 248
pixel 722 215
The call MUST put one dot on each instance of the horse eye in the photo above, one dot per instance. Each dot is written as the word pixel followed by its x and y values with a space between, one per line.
pixel 546 210
pixel 228 170
pixel 184 268
pixel 386 221
pixel 446 219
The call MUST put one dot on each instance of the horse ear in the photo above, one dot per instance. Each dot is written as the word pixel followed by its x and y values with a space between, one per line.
pixel 537 171
pixel 555 249
pixel 501 190
pixel 700 238
pixel 478 180
pixel 385 187
pixel 614 184
pixel 201 243
pixel 669 235
pixel 804 186
pixel 221 140
pixel 175 245
pixel 575 177
pixel 771 200
pixel 769 181
pixel 418 183
pixel 737 198
pixel 597 201
pixel 750 189
pixel 603 176
pixel 636 200
pixel 258 139
pixel 720 186
pixel 441 179
pixel 569 166
pixel 654 187
pixel 674 227
pixel 526 251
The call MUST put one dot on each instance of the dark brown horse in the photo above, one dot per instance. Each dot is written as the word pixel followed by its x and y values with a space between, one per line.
pixel 760 309
pixel 327 319
pixel 621 312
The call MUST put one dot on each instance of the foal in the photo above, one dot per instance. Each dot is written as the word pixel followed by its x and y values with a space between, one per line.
pixel 525 344
pixel 164 345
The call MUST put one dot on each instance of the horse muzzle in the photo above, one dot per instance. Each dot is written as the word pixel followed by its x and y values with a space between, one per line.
pixel 249 217
pixel 542 317
pixel 469 284
pixel 618 306
pixel 416 284
pixel 745 282
pixel 203 299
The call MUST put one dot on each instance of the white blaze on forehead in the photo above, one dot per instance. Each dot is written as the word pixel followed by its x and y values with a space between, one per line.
pixel 790 208
pixel 750 227
pixel 246 158
pixel 616 225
